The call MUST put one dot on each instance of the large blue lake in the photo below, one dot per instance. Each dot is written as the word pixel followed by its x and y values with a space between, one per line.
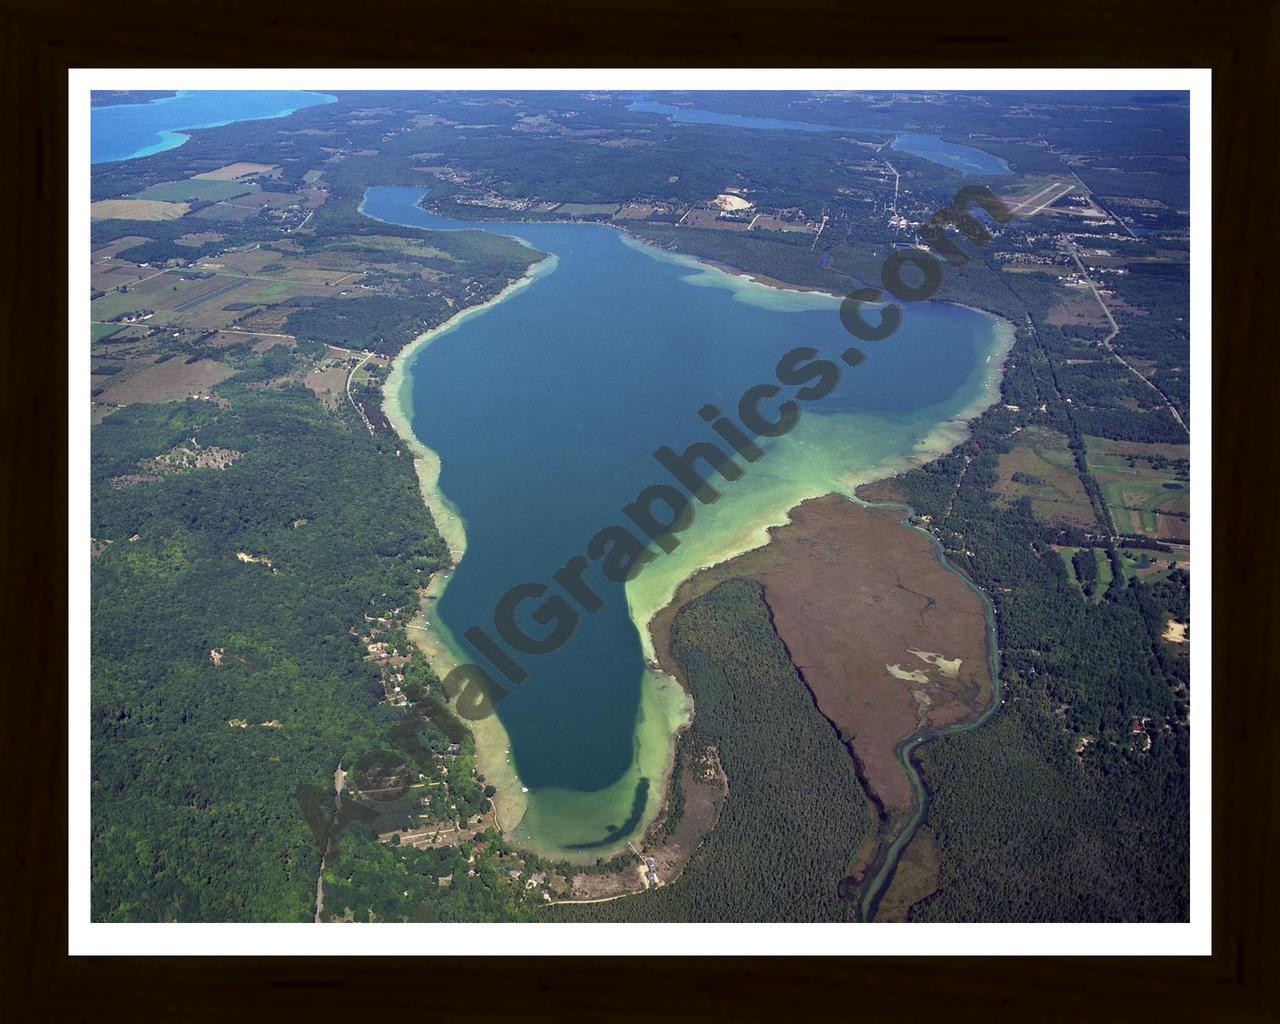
pixel 127 131
pixel 545 410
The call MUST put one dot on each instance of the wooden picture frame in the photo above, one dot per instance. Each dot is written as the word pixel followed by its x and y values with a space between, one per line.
pixel 1237 39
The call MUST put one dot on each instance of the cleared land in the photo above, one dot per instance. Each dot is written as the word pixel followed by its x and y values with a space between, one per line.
pixel 328 378
pixel 239 169
pixel 195 188
pixel 168 381
pixel 136 209
pixel 1146 486
pixel 222 293
pixel 223 212
pixel 1153 566
pixel 1042 467
pixel 889 641
pixel 586 209
pixel 115 246
pixel 1079 309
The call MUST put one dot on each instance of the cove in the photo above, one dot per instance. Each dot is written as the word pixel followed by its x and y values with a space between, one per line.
pixel 131 130
pixel 535 419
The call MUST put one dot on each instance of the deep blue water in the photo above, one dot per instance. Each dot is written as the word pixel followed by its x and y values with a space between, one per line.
pixel 546 409
pixel 127 131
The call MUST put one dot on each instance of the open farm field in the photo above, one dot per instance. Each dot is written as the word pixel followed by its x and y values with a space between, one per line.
pixel 1041 467
pixel 1079 309
pixel 116 246
pixel 136 209
pixel 197 189
pixel 255 200
pixel 97 332
pixel 230 172
pixel 111 274
pixel 167 381
pixel 1145 486
pixel 1153 566
pixel 225 212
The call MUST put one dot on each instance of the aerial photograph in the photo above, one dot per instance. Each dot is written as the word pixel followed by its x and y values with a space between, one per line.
pixel 609 506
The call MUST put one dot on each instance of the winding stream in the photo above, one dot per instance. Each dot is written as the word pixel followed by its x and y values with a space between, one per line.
pixel 887 862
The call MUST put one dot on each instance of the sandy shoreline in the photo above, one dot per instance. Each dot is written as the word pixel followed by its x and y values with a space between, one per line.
pixel 944 437
pixel 492 743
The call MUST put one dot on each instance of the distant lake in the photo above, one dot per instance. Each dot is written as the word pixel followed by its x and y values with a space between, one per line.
pixel 127 131
pixel 688 115
pixel 545 410
pixel 950 154
pixel 966 159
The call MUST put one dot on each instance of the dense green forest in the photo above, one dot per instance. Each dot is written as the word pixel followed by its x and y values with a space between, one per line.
pixel 795 814
pixel 477 876
pixel 395 883
pixel 195 818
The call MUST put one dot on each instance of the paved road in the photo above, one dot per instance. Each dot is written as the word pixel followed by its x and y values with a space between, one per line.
pixel 367 357
pixel 1115 329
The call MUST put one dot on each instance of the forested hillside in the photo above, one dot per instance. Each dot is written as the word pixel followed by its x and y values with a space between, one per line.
pixel 220 685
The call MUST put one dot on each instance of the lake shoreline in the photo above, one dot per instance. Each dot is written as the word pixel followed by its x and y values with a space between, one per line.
pixel 944 438
pixel 492 743
pixel 174 137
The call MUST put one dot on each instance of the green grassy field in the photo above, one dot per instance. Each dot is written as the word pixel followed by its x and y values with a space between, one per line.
pixel 1137 480
pixel 383 244
pixel 1041 467
pixel 1151 566
pixel 1103 563
pixel 173 299
pixel 196 188
pixel 266 292
pixel 99 331
pixel 585 209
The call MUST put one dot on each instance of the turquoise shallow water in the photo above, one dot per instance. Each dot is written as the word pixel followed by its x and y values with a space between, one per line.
pixel 128 131
pixel 546 410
